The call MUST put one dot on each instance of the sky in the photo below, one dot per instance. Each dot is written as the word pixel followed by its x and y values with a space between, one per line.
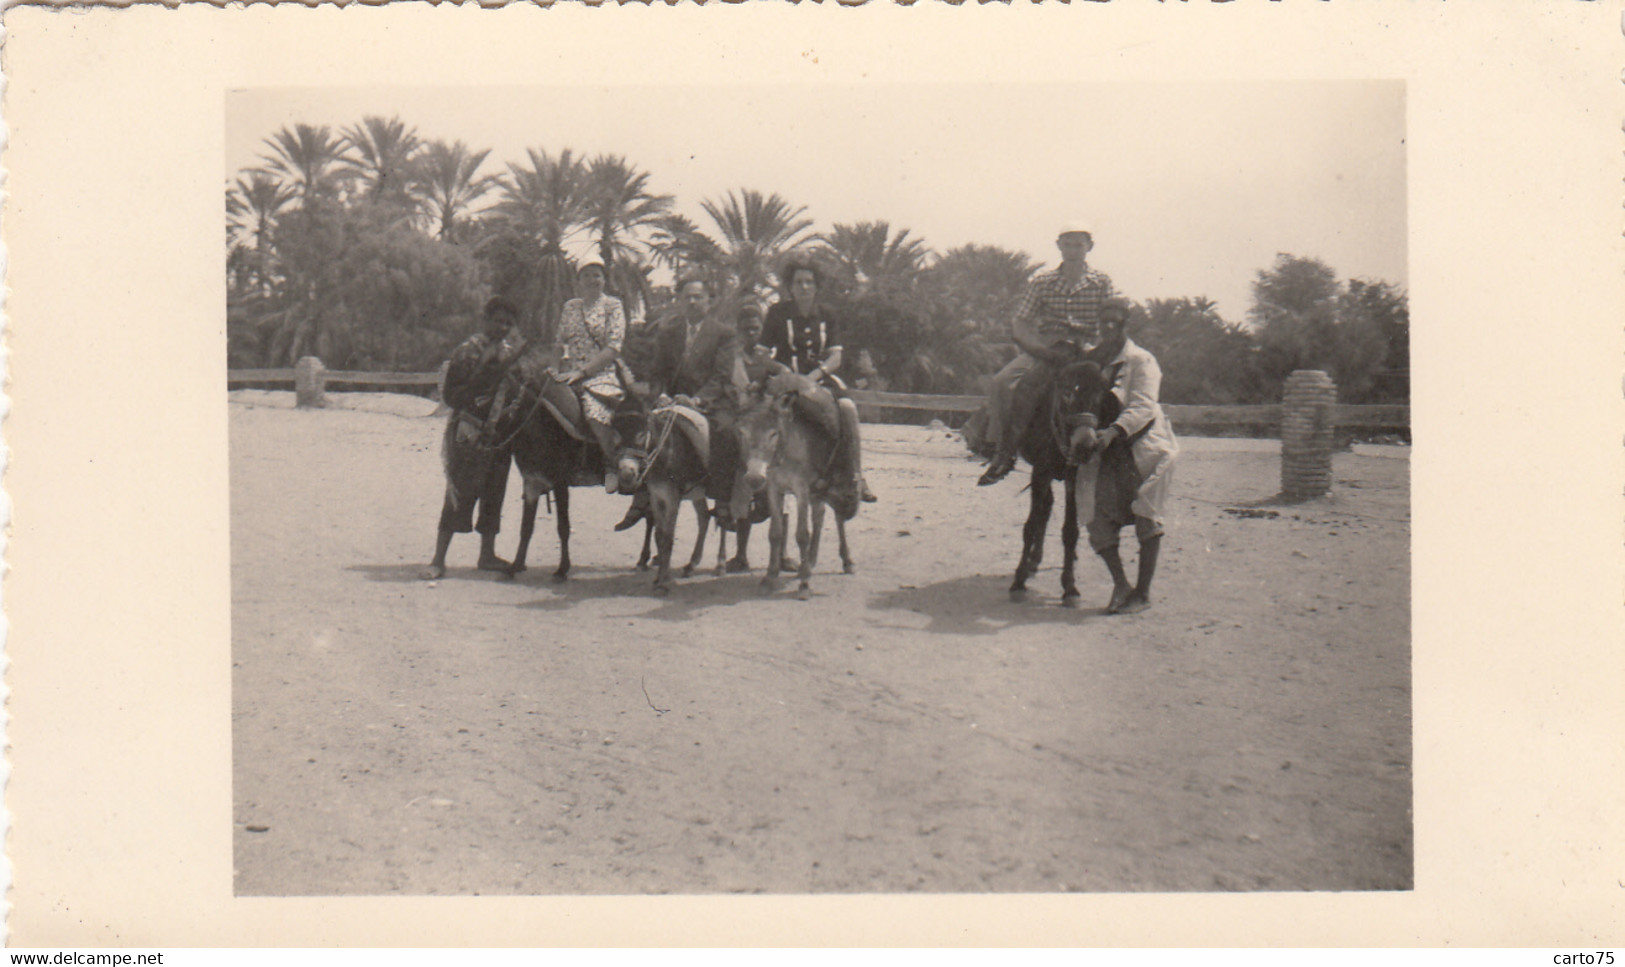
pixel 1192 189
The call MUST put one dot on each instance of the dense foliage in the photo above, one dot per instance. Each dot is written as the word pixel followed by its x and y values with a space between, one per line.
pixel 374 248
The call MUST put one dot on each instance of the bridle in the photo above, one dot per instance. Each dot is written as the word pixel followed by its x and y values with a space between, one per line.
pixel 646 457
pixel 1062 420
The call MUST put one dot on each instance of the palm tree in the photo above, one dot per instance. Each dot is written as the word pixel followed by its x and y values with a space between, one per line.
pixel 757 230
pixel 618 206
pixel 545 201
pixel 871 259
pixel 679 245
pixel 448 183
pixel 980 284
pixel 309 160
pixel 384 151
pixel 544 204
pixel 252 205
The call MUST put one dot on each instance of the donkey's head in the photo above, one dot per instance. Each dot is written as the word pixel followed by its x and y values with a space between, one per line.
pixel 1083 398
pixel 762 432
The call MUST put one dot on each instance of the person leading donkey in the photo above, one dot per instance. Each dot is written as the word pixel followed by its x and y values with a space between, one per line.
pixel 475 461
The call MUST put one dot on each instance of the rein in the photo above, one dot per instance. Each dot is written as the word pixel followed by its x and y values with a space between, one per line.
pixel 1061 422
pixel 526 421
pixel 647 458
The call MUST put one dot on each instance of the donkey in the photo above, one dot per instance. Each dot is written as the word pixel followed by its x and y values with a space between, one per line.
pixel 702 515
pixel 539 423
pixel 784 450
pixel 666 461
pixel 1077 398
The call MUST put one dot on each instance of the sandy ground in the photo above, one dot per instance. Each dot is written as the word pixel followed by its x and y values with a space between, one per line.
pixel 909 729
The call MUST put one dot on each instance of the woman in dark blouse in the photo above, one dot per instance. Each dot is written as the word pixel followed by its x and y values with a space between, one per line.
pixel 803 335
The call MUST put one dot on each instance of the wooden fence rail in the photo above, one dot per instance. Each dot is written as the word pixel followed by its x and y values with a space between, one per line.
pixel 1264 416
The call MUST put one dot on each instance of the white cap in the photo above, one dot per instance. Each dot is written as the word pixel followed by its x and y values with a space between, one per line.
pixel 1075 226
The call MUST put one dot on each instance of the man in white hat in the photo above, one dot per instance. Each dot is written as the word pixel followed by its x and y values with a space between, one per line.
pixel 1061 304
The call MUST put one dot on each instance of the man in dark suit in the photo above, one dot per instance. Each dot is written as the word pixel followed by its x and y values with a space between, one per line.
pixel 694 353
pixel 694 363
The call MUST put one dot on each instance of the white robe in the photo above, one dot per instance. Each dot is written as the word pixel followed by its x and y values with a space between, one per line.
pixel 1136 381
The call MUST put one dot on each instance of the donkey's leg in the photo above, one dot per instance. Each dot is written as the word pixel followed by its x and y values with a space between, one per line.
pixel 703 515
pixel 740 562
pixel 1032 535
pixel 1069 545
pixel 561 501
pixel 663 504
pixel 648 539
pixel 818 508
pixel 847 564
pixel 805 540
pixel 785 564
pixel 776 529
pixel 527 527
pixel 722 550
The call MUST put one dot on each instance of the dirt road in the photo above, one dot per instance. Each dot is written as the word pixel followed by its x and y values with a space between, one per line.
pixel 908 729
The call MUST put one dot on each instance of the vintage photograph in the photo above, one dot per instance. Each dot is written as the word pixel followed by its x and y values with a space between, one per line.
pixel 801 489
pixel 812 475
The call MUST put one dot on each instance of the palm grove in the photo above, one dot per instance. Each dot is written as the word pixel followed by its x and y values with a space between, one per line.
pixel 373 249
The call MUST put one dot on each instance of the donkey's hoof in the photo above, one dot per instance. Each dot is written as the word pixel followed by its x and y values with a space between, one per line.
pixel 770 585
pixel 1018 595
pixel 643 565
pixel 559 577
pixel 688 571
pixel 849 568
pixel 1071 599
pixel 1135 604
pixel 662 590
pixel 804 593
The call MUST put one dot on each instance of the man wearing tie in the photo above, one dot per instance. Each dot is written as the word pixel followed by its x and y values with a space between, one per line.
pixel 694 362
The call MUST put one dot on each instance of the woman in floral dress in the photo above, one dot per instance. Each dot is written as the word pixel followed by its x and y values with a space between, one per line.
pixel 591 330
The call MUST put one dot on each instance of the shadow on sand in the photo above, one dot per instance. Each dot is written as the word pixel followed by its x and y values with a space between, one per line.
pixel 690 595
pixel 980 604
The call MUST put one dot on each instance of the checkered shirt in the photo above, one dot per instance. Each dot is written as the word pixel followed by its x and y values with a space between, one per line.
pixel 1058 310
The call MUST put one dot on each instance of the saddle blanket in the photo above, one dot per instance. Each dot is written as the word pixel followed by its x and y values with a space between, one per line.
pixel 695 426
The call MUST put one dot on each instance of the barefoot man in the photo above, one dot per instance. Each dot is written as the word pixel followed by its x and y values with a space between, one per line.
pixel 1136 379
pixel 476 467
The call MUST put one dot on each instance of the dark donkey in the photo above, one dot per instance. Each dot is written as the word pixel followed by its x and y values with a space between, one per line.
pixel 786 449
pixel 665 462
pixel 1077 396
pixel 540 423
pixel 702 516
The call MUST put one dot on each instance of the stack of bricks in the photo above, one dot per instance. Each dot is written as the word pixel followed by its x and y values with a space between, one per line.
pixel 1307 438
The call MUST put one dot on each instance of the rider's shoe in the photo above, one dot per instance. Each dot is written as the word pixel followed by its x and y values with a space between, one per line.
pixel 864 493
pixel 634 513
pixel 612 482
pixel 997 471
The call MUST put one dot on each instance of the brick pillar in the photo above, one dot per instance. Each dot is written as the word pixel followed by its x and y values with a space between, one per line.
pixel 1307 438
pixel 308 382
